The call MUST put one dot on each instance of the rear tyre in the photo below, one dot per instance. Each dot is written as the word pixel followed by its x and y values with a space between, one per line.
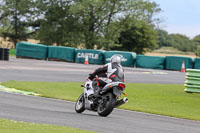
pixel 107 105
pixel 80 104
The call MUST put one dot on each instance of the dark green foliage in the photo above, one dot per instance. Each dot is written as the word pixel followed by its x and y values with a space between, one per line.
pixel 163 38
pixel 16 18
pixel 181 42
pixel 140 38
pixel 196 41
pixel 178 41
pixel 89 23
pixel 58 24
pixel 197 51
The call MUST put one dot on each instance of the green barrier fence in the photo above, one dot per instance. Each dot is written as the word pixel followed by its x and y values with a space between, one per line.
pixel 175 62
pixel 128 58
pixel 192 83
pixel 37 51
pixel 62 53
pixel 152 62
pixel 197 63
pixel 94 56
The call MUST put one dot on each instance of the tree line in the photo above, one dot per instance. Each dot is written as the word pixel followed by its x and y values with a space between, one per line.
pixel 128 25
pixel 179 41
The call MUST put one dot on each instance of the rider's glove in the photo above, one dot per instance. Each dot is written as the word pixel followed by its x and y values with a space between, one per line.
pixel 91 76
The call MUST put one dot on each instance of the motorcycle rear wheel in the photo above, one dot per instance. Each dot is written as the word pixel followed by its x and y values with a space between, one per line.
pixel 80 104
pixel 107 105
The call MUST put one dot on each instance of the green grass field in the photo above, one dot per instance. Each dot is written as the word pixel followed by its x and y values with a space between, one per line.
pixel 8 126
pixel 12 52
pixel 163 99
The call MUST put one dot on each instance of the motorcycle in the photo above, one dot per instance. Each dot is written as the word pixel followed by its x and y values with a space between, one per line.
pixel 104 102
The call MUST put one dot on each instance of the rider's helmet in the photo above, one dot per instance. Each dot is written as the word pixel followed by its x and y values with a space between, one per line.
pixel 116 58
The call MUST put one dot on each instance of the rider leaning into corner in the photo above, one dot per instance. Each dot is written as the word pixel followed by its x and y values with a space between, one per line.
pixel 111 72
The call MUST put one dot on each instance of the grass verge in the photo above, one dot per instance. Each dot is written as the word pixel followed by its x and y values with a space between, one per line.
pixel 12 52
pixel 163 99
pixel 8 126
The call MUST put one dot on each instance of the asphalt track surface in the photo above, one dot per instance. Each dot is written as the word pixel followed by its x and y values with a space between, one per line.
pixel 58 112
pixel 39 70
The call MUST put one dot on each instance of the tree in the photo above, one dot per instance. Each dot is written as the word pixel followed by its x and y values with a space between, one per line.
pixel 57 24
pixel 102 21
pixel 96 19
pixel 163 38
pixel 182 43
pixel 18 15
pixel 73 22
pixel 196 40
pixel 140 38
pixel 197 51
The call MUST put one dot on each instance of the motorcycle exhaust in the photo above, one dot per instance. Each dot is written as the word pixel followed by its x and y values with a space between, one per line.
pixel 121 102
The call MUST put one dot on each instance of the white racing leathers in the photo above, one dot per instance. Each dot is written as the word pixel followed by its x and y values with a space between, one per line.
pixel 114 72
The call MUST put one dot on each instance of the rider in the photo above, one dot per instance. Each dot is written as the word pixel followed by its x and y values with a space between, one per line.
pixel 111 72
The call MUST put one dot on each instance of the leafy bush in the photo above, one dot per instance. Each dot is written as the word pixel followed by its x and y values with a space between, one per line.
pixel 197 52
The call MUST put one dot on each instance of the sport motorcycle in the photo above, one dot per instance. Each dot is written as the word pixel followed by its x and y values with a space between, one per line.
pixel 103 102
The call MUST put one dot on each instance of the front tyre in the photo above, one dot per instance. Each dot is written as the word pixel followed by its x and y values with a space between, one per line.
pixel 106 105
pixel 80 104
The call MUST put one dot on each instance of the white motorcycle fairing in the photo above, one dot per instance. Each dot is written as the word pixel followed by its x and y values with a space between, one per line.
pixel 104 101
pixel 88 91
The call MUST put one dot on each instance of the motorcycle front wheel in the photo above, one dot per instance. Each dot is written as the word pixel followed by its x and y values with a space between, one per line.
pixel 106 105
pixel 80 104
